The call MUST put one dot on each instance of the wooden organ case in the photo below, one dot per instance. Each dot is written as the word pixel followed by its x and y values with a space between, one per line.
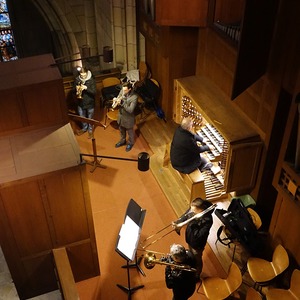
pixel 237 146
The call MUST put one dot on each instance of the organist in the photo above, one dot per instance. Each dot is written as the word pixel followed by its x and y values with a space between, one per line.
pixel 186 149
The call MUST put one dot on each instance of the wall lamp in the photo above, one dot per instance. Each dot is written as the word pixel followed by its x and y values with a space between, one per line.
pixel 107 54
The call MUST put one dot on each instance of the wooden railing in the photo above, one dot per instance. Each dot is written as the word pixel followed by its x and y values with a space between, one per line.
pixel 64 273
pixel 68 80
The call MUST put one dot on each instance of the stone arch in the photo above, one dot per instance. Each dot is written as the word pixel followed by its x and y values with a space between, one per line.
pixel 65 43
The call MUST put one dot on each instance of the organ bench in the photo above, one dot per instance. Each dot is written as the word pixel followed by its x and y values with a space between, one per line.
pixel 193 182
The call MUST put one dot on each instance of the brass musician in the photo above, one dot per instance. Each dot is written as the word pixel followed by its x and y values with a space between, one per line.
pixel 182 282
pixel 85 90
pixel 197 230
pixel 185 219
pixel 127 100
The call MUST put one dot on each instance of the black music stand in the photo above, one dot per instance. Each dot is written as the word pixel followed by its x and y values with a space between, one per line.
pixel 128 239
pixel 95 163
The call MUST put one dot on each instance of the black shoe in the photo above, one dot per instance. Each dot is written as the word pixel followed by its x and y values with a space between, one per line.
pixel 119 144
pixel 129 147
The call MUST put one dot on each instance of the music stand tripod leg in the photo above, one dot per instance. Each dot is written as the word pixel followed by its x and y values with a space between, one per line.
pixel 128 289
pixel 95 163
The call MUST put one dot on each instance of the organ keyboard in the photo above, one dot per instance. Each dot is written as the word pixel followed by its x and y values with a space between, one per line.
pixel 236 144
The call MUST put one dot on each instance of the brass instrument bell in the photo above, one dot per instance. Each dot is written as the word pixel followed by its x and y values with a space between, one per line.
pixel 149 260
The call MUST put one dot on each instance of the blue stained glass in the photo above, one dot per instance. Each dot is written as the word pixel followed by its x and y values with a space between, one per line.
pixel 8 49
pixel 3 6
pixel 4 21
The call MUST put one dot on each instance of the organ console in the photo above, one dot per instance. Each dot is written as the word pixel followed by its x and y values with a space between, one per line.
pixel 237 145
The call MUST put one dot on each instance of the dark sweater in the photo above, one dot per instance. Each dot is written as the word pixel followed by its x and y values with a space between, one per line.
pixel 182 282
pixel 185 153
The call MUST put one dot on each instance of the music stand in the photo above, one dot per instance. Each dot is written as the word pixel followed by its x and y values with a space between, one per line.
pixel 95 163
pixel 128 240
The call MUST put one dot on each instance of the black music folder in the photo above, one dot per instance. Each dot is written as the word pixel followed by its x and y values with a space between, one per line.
pixel 130 231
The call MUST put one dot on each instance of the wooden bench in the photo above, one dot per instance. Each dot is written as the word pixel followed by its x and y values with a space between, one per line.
pixel 65 275
pixel 194 182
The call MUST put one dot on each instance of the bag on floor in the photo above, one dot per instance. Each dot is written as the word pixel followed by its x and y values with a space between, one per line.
pixel 239 227
pixel 149 92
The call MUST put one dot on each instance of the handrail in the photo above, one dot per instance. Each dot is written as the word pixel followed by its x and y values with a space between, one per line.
pixel 65 275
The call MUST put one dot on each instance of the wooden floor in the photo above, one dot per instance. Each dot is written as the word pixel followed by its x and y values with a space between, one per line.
pixel 158 133
pixel 155 133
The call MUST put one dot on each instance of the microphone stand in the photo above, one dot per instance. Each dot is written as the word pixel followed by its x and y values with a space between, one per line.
pixel 96 163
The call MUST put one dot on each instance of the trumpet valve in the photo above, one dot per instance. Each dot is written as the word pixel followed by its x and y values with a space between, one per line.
pixel 79 91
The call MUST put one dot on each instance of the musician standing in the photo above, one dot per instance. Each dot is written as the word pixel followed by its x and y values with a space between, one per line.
pixel 182 282
pixel 127 100
pixel 197 231
pixel 185 153
pixel 85 88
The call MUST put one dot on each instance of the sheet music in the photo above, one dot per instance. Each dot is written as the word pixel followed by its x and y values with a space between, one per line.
pixel 129 237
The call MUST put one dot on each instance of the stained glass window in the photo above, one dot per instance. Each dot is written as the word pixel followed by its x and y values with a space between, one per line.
pixel 7 43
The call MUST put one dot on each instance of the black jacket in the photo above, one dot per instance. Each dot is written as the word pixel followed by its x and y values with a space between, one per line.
pixel 185 153
pixel 197 232
pixel 88 95
pixel 182 282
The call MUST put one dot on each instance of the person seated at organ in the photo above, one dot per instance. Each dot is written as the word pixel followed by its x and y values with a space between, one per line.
pixel 185 152
pixel 182 282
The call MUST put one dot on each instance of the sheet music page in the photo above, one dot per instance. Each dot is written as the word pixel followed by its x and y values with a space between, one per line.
pixel 129 237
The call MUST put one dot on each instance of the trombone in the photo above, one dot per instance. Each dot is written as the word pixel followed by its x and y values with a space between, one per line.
pixel 176 227
pixel 150 261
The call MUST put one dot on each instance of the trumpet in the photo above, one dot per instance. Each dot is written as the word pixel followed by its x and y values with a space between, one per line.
pixel 79 89
pixel 150 261
pixel 116 101
pixel 176 227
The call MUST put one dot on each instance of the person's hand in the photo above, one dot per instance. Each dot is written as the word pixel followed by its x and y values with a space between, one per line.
pixel 174 225
pixel 211 147
pixel 83 87
pixel 205 140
